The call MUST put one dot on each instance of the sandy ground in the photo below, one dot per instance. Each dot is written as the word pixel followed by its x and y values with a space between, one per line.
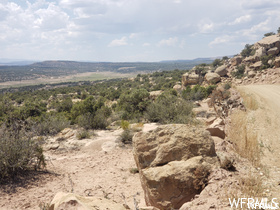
pixel 96 167
pixel 267 124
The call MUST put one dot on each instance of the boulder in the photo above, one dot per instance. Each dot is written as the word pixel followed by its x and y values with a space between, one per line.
pixel 260 52
pixel 236 60
pixel 250 59
pixel 167 157
pixel 256 66
pixel 277 62
pixel 251 74
pixel 72 201
pixel 217 128
pixel 212 78
pixel 155 94
pixel 190 79
pixel 273 51
pixel 269 42
pixel 172 185
pixel 222 70
pixel 177 87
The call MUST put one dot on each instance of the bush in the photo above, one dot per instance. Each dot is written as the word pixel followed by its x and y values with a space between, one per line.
pixel 269 34
pixel 50 124
pixel 124 124
pixel 19 152
pixel 240 72
pixel 169 109
pixel 82 134
pixel 126 136
pixel 197 92
pixel 248 51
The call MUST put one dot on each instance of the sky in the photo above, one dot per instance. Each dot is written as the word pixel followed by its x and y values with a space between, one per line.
pixel 132 30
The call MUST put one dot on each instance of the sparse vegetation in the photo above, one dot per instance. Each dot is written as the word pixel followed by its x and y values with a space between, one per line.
pixel 19 151
pixel 239 73
pixel 82 134
pixel 244 138
pixel 248 51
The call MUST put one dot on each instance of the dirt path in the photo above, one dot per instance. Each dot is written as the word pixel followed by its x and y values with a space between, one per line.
pixel 267 124
pixel 92 167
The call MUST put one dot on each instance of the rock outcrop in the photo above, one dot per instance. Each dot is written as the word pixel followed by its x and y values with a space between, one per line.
pixel 68 201
pixel 191 79
pixel 212 78
pixel 222 70
pixel 174 162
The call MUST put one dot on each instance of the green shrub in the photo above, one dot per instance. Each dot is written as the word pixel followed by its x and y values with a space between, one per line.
pixel 240 71
pixel 19 152
pixel 124 124
pixel 197 92
pixel 227 86
pixel 100 119
pixel 85 120
pixel 248 51
pixel 82 134
pixel 169 109
pixel 126 136
pixel 49 124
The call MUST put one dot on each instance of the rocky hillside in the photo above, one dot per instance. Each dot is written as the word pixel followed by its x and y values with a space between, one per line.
pixel 257 63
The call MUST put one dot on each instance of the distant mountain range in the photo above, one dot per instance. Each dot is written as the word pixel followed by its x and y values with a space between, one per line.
pixel 17 70
pixel 22 62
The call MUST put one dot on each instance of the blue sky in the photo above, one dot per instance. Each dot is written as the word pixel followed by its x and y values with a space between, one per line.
pixel 132 30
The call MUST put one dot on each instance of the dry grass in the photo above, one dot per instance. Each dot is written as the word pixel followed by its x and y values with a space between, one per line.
pixel 250 186
pixel 249 101
pixel 245 140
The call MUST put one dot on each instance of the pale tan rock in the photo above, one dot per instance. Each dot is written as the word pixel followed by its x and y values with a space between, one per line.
pixel 217 128
pixel 251 74
pixel 212 78
pixel 169 143
pixel 177 87
pixel 222 70
pixel 277 62
pixel 191 79
pixel 70 201
pixel 273 51
pixel 256 66
pixel 155 94
pixel 166 158
pixel 171 185
pixel 236 60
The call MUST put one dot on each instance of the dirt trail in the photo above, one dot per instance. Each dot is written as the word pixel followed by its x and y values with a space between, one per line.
pixel 267 124
pixel 96 167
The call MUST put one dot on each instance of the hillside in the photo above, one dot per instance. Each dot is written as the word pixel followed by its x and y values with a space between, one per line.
pixel 192 139
pixel 52 69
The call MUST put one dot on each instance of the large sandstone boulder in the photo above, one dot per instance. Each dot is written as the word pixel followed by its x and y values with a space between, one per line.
pixel 212 78
pixel 277 62
pixel 256 66
pixel 273 51
pixel 260 52
pixel 190 79
pixel 222 70
pixel 70 201
pixel 269 42
pixel 167 158
pixel 236 60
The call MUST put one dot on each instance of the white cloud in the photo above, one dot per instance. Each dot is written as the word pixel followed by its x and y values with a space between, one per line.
pixel 172 41
pixel 206 26
pixel 118 42
pixel 220 40
pixel 242 19
pixel 83 29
